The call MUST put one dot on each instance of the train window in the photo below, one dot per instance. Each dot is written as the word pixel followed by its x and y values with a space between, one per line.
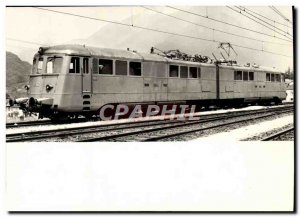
pixel 251 76
pixel 173 73
pixel 40 65
pixel 135 68
pixel 193 72
pixel 277 78
pixel 54 65
pixel 282 78
pixel 183 72
pixel 33 66
pixel 237 75
pixel 121 67
pixel 268 77
pixel 74 65
pixel 85 66
pixel 49 69
pixel 105 67
pixel 272 77
pixel 199 72
pixel 245 76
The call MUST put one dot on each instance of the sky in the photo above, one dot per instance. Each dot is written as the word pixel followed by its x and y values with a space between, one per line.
pixel 43 27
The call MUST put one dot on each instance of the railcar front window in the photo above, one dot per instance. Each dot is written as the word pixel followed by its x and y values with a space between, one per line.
pixel 183 72
pixel 135 68
pixel 245 76
pixel 33 66
pixel 277 78
pixel 54 65
pixel 74 65
pixel 121 67
pixel 38 68
pixel 105 67
pixel 173 71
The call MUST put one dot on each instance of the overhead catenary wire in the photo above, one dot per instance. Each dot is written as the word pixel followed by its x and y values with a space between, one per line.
pixel 272 28
pixel 153 30
pixel 274 21
pixel 18 46
pixel 214 29
pixel 34 43
pixel 279 13
pixel 260 23
pixel 230 24
pixel 23 41
pixel 272 25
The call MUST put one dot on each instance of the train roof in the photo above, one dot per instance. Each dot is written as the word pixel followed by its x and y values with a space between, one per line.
pixel 101 52
pixel 66 49
pixel 252 68
pixel 112 53
pixel 83 50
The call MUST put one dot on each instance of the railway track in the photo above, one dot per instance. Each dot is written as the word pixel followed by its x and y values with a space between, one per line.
pixel 277 135
pixel 27 123
pixel 43 122
pixel 131 131
pixel 167 132
pixel 49 122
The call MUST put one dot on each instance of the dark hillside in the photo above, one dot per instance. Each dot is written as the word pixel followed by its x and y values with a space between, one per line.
pixel 17 75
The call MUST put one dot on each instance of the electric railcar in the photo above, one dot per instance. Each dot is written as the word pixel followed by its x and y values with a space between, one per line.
pixel 71 80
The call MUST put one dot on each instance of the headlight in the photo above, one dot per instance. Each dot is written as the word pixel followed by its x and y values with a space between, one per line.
pixel 49 87
pixel 27 87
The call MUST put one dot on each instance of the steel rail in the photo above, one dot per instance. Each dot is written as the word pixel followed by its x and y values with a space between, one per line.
pixel 101 128
pixel 102 138
pixel 34 135
pixel 278 134
pixel 27 123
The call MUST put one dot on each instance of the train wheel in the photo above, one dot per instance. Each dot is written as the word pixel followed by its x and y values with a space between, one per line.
pixel 277 101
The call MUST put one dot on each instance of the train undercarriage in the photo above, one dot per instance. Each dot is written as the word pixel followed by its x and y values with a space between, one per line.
pixel 44 109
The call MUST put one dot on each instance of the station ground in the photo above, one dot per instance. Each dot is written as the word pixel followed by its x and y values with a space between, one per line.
pixel 249 131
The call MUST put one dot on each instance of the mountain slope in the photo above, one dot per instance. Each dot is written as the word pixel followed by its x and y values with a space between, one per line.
pixel 17 75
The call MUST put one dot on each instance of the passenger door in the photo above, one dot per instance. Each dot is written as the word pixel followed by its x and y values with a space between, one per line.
pixel 86 76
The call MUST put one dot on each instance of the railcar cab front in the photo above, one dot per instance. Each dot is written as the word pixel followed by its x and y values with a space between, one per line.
pixel 62 75
pixel 60 63
pixel 43 81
